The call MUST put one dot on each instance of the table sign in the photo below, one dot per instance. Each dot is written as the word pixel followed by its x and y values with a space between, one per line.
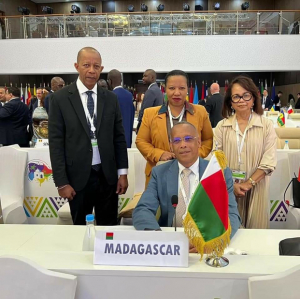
pixel 141 248
pixel 42 143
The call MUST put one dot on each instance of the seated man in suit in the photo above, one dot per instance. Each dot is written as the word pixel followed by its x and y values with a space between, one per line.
pixel 165 182
pixel 266 101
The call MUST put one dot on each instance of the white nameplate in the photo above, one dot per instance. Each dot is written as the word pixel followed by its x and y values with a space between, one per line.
pixel 41 143
pixel 141 248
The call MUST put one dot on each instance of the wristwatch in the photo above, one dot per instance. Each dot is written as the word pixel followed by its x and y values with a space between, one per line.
pixel 253 183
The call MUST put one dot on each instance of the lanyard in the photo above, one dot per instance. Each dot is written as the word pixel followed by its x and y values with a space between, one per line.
pixel 180 116
pixel 91 119
pixel 240 146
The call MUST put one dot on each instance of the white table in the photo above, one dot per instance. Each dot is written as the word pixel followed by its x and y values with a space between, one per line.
pixel 58 248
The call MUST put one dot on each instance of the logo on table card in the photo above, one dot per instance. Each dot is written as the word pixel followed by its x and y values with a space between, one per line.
pixel 109 236
pixel 38 171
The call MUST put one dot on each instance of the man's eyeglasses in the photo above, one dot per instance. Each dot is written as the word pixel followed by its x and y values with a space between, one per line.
pixel 187 139
pixel 247 96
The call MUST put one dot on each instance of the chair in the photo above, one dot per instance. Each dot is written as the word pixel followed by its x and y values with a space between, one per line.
pixel 12 172
pixel 290 134
pixel 22 278
pixel 277 286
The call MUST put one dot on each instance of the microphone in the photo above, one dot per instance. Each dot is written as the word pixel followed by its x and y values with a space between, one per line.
pixel 174 200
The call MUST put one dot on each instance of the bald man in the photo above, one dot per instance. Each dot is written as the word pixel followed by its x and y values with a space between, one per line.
pixel 153 96
pixel 87 144
pixel 57 83
pixel 214 105
pixel 114 80
pixel 102 83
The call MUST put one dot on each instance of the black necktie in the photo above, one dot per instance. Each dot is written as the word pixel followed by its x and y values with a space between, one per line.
pixel 90 105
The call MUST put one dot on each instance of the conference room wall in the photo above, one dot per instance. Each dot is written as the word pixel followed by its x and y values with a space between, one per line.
pixel 135 54
pixel 65 8
pixel 10 7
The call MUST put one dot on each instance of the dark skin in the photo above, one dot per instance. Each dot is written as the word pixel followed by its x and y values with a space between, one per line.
pixel 89 67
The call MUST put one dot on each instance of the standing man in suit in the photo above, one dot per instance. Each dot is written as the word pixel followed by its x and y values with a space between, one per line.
pixel 14 119
pixel 277 101
pixel 87 144
pixel 36 102
pixel 214 105
pixel 125 99
pixel 153 96
pixel 2 96
pixel 57 83
pixel 266 101
pixel 170 178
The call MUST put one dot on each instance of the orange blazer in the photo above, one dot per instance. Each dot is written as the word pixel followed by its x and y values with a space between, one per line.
pixel 152 139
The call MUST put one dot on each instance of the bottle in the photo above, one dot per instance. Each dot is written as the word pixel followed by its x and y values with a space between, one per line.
pixel 90 233
pixel 286 145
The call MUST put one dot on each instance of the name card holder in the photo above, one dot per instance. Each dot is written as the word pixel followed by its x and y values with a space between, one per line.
pixel 141 248
pixel 41 143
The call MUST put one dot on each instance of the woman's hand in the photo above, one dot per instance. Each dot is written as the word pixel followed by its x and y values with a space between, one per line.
pixel 240 189
pixel 167 156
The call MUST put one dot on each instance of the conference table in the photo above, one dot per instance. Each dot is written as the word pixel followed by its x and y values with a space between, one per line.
pixel 58 248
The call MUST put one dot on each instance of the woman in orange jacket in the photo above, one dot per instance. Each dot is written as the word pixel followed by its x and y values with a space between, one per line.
pixel 154 134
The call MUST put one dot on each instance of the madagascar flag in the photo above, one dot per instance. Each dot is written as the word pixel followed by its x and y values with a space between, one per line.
pixel 281 119
pixel 207 222
pixel 109 236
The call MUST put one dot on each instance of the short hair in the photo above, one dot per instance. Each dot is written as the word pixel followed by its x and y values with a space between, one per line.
pixel 298 94
pixel 248 84
pixel 15 91
pixel 279 92
pixel 266 90
pixel 39 88
pixel 177 73
pixel 184 123
pixel 89 49
pixel 152 72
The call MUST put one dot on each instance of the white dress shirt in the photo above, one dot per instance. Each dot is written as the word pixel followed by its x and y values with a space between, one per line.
pixel 82 89
pixel 193 178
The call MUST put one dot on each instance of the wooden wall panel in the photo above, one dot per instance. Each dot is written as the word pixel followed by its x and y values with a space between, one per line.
pixel 65 8
pixel 11 7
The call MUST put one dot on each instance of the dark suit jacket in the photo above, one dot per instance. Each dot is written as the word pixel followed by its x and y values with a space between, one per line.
pixel 69 137
pixel 276 101
pixel 297 106
pixel 14 119
pixel 127 111
pixel 162 186
pixel 33 104
pixel 214 106
pixel 153 97
pixel 47 100
pixel 269 102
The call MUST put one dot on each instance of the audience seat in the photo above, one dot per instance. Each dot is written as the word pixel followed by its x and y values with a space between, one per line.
pixel 295 116
pixel 13 162
pixel 290 134
pixel 22 278
pixel 277 286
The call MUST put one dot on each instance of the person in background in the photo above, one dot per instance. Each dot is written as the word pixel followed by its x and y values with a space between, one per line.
pixel 153 96
pixel 14 119
pixel 102 83
pixel 36 101
pixel 114 80
pixel 214 105
pixel 155 132
pixel 57 83
pixel 291 101
pixel 277 101
pixel 266 101
pixel 297 106
pixel 249 142
pixel 40 120
pixel 2 96
pixel 188 169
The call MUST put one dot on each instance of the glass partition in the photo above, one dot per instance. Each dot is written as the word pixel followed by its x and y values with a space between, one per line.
pixel 152 23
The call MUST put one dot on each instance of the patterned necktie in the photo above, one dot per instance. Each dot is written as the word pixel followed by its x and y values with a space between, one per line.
pixel 90 105
pixel 181 207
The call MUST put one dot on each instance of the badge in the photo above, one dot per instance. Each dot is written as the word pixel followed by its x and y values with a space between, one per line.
pixel 238 176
